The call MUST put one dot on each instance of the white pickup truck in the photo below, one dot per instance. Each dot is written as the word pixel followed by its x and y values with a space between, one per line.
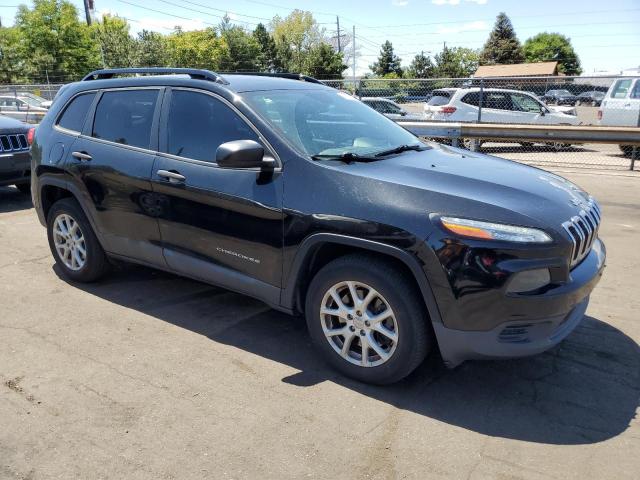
pixel 621 106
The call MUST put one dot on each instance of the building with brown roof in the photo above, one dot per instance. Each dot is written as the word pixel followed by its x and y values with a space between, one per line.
pixel 539 69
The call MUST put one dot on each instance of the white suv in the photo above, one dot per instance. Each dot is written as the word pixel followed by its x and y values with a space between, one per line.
pixel 498 106
pixel 621 106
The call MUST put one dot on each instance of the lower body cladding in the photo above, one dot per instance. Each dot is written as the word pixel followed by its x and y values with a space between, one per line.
pixel 531 335
pixel 15 168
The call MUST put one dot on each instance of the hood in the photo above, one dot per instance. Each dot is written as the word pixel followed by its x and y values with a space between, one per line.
pixel 11 125
pixel 468 184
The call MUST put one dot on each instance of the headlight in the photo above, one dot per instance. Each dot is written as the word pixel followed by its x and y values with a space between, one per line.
pixel 494 231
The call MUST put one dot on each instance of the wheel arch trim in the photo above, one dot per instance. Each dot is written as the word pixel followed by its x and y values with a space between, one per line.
pixel 288 294
pixel 47 181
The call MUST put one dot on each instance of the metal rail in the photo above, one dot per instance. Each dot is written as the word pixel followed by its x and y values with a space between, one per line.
pixel 536 133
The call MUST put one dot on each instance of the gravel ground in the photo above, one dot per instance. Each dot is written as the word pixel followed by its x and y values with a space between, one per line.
pixel 150 376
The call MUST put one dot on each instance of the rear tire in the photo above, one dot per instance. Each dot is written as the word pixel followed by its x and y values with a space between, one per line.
pixel 73 243
pixel 388 312
pixel 24 188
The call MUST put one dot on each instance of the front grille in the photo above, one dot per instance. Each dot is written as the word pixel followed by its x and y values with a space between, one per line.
pixel 13 143
pixel 583 230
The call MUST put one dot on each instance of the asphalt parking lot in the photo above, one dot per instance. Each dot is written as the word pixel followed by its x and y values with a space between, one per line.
pixel 147 376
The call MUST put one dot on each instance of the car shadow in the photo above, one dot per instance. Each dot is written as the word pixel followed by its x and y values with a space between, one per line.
pixel 12 200
pixel 584 391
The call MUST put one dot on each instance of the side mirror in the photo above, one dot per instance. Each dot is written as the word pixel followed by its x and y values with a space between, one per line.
pixel 543 111
pixel 242 154
pixel 403 113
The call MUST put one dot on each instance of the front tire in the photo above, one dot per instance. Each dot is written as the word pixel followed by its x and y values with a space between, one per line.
pixel 73 243
pixel 367 320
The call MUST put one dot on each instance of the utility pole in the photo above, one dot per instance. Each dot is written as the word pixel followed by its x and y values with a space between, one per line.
pixel 338 25
pixel 88 5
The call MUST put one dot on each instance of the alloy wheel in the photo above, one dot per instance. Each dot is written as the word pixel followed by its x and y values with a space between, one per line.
pixel 359 324
pixel 69 242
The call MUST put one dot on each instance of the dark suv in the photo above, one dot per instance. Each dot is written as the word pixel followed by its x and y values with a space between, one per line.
pixel 15 138
pixel 305 198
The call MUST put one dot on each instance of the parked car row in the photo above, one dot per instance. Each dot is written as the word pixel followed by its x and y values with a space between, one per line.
pixel 24 106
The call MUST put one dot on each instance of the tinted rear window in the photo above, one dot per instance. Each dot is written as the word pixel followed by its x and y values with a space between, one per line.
pixel 472 99
pixel 74 114
pixel 126 117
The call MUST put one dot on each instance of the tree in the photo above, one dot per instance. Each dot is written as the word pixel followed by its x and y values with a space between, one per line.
pixel 421 67
pixel 152 49
pixel 11 58
pixel 267 60
pixel 456 62
pixel 55 44
pixel 503 46
pixel 243 49
pixel 323 62
pixel 388 62
pixel 295 35
pixel 197 48
pixel 548 47
pixel 117 47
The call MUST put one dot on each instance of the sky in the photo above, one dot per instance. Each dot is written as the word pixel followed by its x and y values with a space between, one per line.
pixel 606 35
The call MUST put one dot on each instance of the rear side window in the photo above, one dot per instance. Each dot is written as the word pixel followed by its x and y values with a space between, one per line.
pixel 471 99
pixel 199 123
pixel 635 93
pixel 126 117
pixel 621 88
pixel 76 111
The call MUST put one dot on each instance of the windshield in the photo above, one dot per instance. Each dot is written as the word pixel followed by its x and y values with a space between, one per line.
pixel 31 101
pixel 328 123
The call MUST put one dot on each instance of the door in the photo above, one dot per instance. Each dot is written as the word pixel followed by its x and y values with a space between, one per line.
pixel 111 165
pixel 221 225
pixel 529 110
pixel 618 107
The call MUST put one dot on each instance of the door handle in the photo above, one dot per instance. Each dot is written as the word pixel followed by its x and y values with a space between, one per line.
pixel 173 177
pixel 82 156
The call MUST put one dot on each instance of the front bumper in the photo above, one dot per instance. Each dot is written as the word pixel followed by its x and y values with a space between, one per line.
pixel 559 315
pixel 14 168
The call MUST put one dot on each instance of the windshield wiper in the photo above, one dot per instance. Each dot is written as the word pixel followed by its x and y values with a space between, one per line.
pixel 345 157
pixel 400 149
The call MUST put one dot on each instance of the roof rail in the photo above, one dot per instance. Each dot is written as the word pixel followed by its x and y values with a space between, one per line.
pixel 192 72
pixel 290 76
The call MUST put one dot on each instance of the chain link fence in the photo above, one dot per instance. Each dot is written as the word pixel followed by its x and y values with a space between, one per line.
pixel 537 101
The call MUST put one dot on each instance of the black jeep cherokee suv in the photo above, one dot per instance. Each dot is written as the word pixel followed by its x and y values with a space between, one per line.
pixel 303 197
pixel 15 137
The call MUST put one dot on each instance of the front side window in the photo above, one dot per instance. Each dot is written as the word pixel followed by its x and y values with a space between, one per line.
pixel 621 88
pixel 199 123
pixel 327 122
pixel 74 114
pixel 524 103
pixel 635 93
pixel 126 117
